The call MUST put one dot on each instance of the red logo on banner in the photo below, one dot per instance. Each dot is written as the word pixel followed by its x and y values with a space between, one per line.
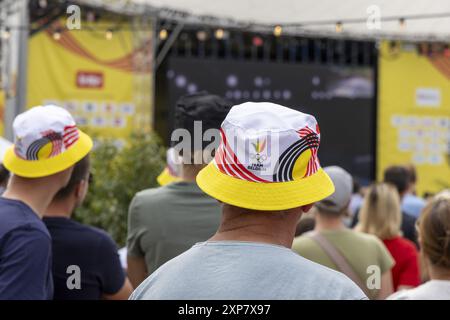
pixel 87 79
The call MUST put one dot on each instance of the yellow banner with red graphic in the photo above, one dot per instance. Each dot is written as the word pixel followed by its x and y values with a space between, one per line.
pixel 104 81
pixel 414 114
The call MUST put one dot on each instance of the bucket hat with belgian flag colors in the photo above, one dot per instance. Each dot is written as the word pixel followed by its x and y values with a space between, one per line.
pixel 267 159
pixel 46 141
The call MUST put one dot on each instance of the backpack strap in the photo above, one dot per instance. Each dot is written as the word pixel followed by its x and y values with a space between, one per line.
pixel 338 259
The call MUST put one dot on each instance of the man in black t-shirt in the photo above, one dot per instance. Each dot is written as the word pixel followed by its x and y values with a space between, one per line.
pixel 86 263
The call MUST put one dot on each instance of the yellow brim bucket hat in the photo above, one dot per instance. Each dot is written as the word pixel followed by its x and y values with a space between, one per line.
pixel 172 171
pixel 47 141
pixel 165 177
pixel 267 160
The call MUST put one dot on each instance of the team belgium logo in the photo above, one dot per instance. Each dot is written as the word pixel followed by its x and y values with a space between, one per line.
pixel 259 149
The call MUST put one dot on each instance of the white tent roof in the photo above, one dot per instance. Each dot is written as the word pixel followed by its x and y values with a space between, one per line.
pixel 424 19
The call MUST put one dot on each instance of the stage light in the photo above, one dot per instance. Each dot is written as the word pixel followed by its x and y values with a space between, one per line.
pixel 339 27
pixel 57 34
pixel 109 34
pixel 257 41
pixel 277 31
pixel 219 34
pixel 394 47
pixel 202 35
pixel 163 34
pixel 43 4
pixel 6 34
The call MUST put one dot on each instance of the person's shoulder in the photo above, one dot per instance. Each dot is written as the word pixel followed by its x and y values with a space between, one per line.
pixel 99 234
pixel 400 295
pixel 32 236
pixel 152 195
pixel 303 243
pixel 16 214
pixel 418 293
pixel 151 192
pixel 406 245
pixel 338 283
pixel 26 220
pixel 366 238
pixel 414 200
pixel 90 234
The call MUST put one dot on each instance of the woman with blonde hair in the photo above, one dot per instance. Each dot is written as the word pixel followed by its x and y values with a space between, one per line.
pixel 381 215
pixel 434 239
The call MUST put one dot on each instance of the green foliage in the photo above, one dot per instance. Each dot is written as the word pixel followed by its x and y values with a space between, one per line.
pixel 118 173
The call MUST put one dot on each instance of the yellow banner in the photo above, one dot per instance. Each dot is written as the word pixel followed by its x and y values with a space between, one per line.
pixel 103 79
pixel 414 114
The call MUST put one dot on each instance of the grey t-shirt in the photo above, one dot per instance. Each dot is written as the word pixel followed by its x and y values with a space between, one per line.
pixel 166 221
pixel 244 270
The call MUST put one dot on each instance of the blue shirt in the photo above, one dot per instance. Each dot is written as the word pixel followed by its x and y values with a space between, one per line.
pixel 242 271
pixel 25 253
pixel 412 205
pixel 93 253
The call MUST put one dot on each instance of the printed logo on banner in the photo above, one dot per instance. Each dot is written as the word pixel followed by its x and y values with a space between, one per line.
pixel 127 108
pixel 90 107
pixel 109 108
pixel 98 121
pixel 428 97
pixel 119 122
pixel 81 121
pixel 89 80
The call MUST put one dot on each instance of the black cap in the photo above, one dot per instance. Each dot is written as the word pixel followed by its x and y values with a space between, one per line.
pixel 208 108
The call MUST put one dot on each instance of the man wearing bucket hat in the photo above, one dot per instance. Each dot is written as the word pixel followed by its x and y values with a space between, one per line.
pixel 333 245
pixel 172 171
pixel 266 173
pixel 166 221
pixel 46 147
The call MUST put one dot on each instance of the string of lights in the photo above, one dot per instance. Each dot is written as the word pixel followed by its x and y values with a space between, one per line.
pixel 301 28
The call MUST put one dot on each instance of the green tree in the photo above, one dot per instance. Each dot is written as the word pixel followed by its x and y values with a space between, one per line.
pixel 118 173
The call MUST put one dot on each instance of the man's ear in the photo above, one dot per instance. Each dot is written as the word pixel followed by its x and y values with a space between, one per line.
pixel 79 189
pixel 307 207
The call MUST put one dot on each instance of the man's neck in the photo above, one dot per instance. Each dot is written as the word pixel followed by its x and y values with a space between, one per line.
pixel 328 223
pixel 257 229
pixel 62 208
pixel 53 212
pixel 189 172
pixel 189 179
pixel 36 196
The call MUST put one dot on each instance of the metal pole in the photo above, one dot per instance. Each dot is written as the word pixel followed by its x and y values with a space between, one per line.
pixel 23 58
pixel 16 56
pixel 170 41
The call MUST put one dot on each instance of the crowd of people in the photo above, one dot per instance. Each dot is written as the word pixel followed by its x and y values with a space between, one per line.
pixel 262 220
